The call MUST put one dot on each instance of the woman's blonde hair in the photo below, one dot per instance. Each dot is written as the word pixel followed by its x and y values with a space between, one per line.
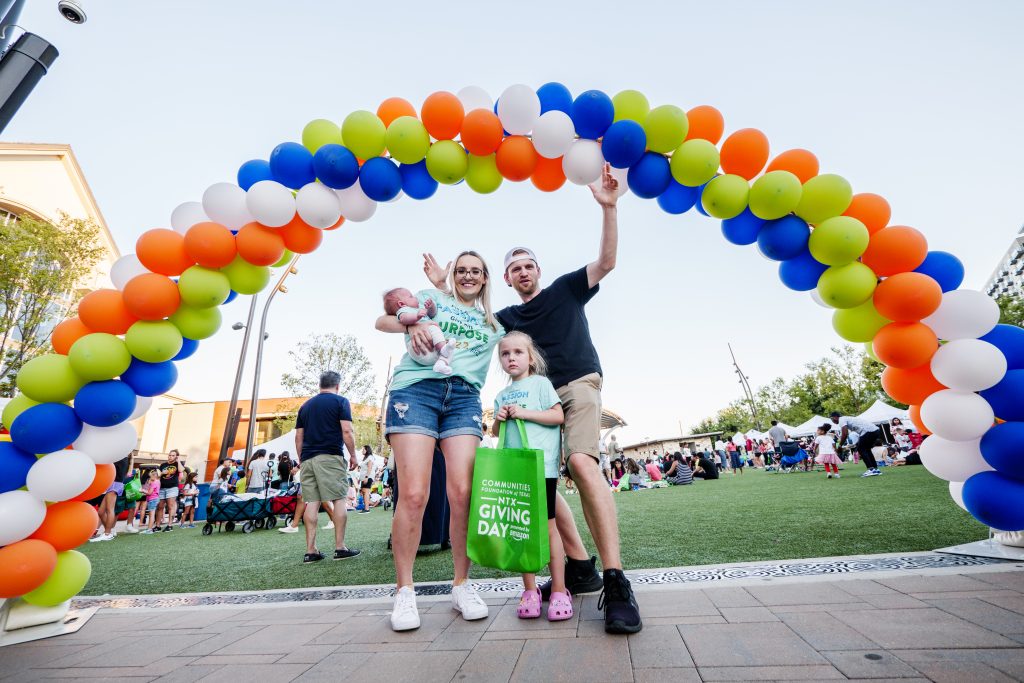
pixel 538 366
pixel 483 299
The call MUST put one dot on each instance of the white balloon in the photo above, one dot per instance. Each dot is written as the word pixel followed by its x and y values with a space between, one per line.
pixel 224 203
pixel 964 314
pixel 518 109
pixel 60 475
pixel 968 365
pixel 318 205
pixel 952 460
pixel 474 97
pixel 395 198
pixel 354 204
pixel 553 134
pixel 816 298
pixel 186 215
pixel 620 175
pixel 270 203
pixel 107 445
pixel 957 415
pixel 583 162
pixel 125 268
pixel 21 513
pixel 142 405
pixel 956 492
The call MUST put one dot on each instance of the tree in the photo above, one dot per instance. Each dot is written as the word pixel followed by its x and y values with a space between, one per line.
pixel 42 269
pixel 1011 310
pixel 324 352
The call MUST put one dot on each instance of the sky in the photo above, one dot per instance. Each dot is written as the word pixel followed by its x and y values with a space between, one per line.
pixel 917 101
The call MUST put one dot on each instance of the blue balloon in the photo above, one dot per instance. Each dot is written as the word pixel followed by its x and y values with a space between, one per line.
pixel 45 428
pixel 1002 446
pixel 592 112
pixel 801 272
pixel 1007 397
pixel 253 171
pixel 380 180
pixel 14 466
pixel 624 143
pixel 336 166
pixel 994 500
pixel 650 176
pixel 232 295
pixel 742 229
pixel 292 165
pixel 1010 340
pixel 944 268
pixel 554 97
pixel 188 346
pixel 678 198
pixel 150 379
pixel 104 404
pixel 700 191
pixel 783 239
pixel 416 181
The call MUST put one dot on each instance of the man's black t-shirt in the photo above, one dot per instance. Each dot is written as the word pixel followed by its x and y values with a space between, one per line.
pixel 169 473
pixel 320 419
pixel 710 471
pixel 121 469
pixel 558 324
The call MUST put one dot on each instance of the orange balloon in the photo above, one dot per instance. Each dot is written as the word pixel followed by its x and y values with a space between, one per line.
pixel 910 386
pixel 442 115
pixel 27 565
pixel 706 123
pixel 67 333
pixel 393 107
pixel 745 152
pixel 800 162
pixel 870 209
pixel 260 245
pixel 68 525
pixel 163 251
pixel 301 237
pixel 211 245
pixel 100 483
pixel 905 345
pixel 914 412
pixel 151 296
pixel 907 297
pixel 104 310
pixel 336 225
pixel 548 176
pixel 516 158
pixel 481 132
pixel 897 249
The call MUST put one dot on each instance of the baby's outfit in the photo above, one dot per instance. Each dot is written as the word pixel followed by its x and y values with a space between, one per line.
pixel 443 348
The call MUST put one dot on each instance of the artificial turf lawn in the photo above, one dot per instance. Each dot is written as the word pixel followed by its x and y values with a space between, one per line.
pixel 754 516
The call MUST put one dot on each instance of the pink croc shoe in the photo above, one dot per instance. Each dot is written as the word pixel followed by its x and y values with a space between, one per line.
pixel 560 606
pixel 529 605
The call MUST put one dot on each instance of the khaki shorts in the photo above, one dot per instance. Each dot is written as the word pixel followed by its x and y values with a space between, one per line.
pixel 324 477
pixel 581 401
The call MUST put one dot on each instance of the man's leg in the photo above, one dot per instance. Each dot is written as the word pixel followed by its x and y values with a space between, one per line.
pixel 340 516
pixel 567 529
pixel 309 516
pixel 107 511
pixel 864 446
pixel 598 508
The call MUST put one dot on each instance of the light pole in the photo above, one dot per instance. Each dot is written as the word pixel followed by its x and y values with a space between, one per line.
pixel 231 426
pixel 748 393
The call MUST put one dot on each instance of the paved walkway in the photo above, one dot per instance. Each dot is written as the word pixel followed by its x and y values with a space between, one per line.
pixel 939 626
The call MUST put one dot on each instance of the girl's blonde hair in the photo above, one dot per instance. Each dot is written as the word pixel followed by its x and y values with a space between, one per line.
pixel 538 366
pixel 483 299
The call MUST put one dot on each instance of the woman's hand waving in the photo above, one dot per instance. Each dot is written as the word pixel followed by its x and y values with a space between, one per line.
pixel 437 275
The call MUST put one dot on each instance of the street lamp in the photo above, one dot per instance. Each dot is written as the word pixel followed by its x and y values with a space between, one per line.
pixel 231 426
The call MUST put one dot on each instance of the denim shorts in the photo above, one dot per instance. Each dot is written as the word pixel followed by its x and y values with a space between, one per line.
pixel 439 408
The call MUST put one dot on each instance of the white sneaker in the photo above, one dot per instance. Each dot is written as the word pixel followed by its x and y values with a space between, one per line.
pixel 102 537
pixel 835 476
pixel 329 525
pixel 131 530
pixel 289 529
pixel 465 599
pixel 404 615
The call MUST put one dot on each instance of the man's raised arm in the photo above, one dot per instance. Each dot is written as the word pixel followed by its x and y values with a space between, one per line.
pixel 607 196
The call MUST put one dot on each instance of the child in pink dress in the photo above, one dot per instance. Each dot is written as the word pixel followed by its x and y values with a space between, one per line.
pixel 825 447
pixel 404 305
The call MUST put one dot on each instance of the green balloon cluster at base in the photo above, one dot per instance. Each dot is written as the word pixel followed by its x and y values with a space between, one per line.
pixel 847 286
pixel 694 163
pixel 824 196
pixel 364 134
pixel 196 323
pixel 204 287
pixel 69 576
pixel 99 356
pixel 447 162
pixel 774 195
pixel 482 174
pixel 320 132
pixel 244 278
pixel 407 140
pixel 725 196
pixel 666 127
pixel 284 260
pixel 632 105
pixel 49 378
pixel 838 240
pixel 15 407
pixel 860 323
pixel 153 341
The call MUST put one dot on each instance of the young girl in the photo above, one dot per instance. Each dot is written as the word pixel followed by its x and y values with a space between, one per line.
pixel 531 397
pixel 825 447
pixel 152 490
pixel 188 501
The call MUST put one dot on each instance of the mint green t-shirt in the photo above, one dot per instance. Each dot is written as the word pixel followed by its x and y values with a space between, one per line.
pixel 534 393
pixel 474 342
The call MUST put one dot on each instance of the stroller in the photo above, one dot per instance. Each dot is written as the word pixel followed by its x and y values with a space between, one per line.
pixel 792 455
pixel 227 510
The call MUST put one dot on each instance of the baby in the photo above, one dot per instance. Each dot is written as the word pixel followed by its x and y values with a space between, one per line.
pixel 403 304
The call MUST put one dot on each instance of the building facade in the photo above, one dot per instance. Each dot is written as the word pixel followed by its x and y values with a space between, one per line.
pixel 1008 277
pixel 658 447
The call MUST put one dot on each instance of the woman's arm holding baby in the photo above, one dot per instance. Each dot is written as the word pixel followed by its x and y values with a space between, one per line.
pixel 418 334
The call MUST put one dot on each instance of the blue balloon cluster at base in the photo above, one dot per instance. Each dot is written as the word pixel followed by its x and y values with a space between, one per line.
pixel 14 466
pixel 105 404
pixel 1006 397
pixel 995 499
pixel 45 428
pixel 1010 340
pixel 1002 447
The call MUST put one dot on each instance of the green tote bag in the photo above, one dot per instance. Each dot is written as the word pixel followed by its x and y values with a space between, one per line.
pixel 508 513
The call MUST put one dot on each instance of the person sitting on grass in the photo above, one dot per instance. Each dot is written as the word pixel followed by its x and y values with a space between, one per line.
pixel 653 471
pixel 679 474
pixel 618 473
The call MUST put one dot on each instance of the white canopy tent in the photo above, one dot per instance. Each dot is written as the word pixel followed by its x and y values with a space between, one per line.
pixel 285 442
pixel 754 434
pixel 808 427
pixel 881 412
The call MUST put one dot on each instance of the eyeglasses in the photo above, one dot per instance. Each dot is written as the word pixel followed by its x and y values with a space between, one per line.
pixel 475 272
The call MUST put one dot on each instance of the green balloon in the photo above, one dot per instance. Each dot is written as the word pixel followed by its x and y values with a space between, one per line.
pixel 694 163
pixel 364 134
pixel 49 378
pixel 869 350
pixel 196 323
pixel 632 105
pixel 203 287
pixel 407 140
pixel 482 174
pixel 99 356
pixel 838 240
pixel 860 323
pixel 774 195
pixel 725 196
pixel 847 286
pixel 824 196
pixel 153 341
pixel 68 578
pixel 15 407
pixel 666 128
pixel 244 278
pixel 320 132
pixel 285 259
pixel 447 162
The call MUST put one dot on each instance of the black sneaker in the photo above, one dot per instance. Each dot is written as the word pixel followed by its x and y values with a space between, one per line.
pixel 166 528
pixel 580 577
pixel 344 553
pixel 312 557
pixel 621 613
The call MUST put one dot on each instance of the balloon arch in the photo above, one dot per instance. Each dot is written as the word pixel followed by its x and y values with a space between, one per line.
pixel 71 420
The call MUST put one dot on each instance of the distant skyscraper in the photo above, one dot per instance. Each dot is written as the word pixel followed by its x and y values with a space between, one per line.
pixel 1008 277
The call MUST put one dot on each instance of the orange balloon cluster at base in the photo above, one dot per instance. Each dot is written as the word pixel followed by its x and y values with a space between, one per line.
pixel 905 345
pixel 912 385
pixel 914 413
pixel 26 566
pixel 68 525
pixel 104 477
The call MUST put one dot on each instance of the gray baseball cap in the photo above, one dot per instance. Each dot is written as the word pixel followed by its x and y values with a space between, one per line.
pixel 519 254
